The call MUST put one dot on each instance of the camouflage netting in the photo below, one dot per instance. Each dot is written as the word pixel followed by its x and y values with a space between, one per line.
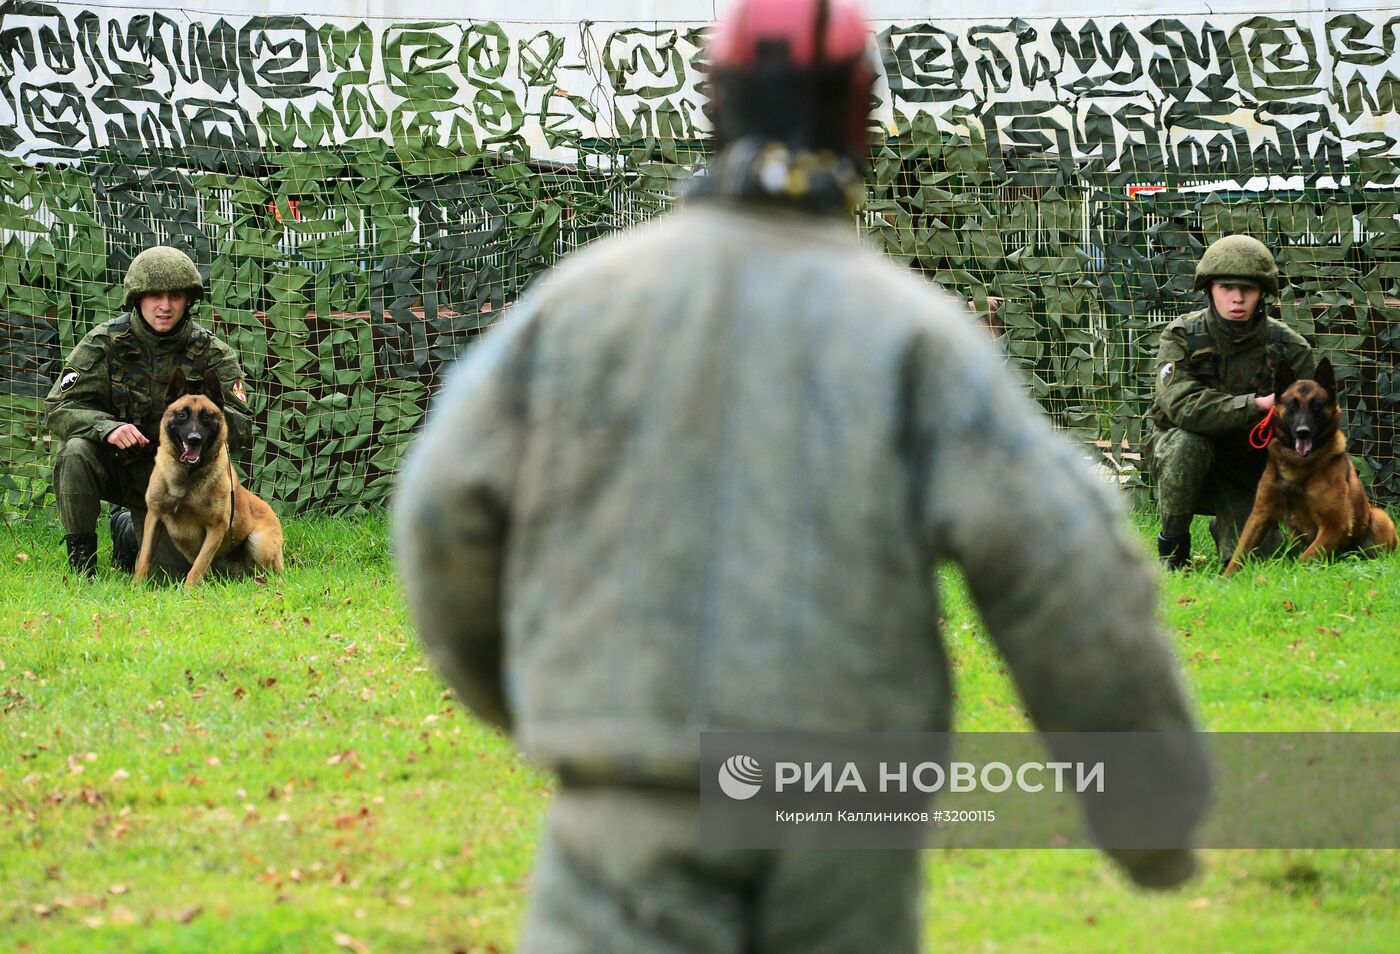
pixel 362 198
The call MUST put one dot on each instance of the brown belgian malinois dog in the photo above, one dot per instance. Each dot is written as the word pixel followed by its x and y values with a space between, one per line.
pixel 1309 482
pixel 194 494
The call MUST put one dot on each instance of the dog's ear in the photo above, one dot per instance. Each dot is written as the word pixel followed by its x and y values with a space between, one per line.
pixel 1283 377
pixel 177 388
pixel 213 390
pixel 1325 376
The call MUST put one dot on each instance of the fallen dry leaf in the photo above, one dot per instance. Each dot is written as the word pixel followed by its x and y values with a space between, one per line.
pixel 189 914
pixel 346 941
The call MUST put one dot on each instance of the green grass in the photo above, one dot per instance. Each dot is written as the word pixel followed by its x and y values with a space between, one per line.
pixel 258 768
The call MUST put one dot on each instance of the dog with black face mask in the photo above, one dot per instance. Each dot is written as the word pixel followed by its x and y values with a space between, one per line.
pixel 195 496
pixel 1310 483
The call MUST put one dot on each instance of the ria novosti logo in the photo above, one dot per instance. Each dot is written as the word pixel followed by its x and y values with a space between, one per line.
pixel 740 777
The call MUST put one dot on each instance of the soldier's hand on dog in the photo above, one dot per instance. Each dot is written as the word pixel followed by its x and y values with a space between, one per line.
pixel 1264 402
pixel 127 436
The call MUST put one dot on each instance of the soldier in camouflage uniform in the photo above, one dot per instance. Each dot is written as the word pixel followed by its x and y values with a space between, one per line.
pixel 1215 381
pixel 106 407
pixel 699 479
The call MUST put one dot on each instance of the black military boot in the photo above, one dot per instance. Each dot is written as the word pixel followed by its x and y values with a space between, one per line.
pixel 1175 550
pixel 125 544
pixel 82 553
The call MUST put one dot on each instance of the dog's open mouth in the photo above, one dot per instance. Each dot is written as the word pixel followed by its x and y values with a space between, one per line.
pixel 1302 447
pixel 190 453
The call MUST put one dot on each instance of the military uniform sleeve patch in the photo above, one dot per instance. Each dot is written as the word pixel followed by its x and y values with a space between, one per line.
pixel 70 378
pixel 239 391
pixel 1165 376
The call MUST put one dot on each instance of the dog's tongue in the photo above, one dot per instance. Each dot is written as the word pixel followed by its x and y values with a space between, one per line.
pixel 190 455
pixel 1304 448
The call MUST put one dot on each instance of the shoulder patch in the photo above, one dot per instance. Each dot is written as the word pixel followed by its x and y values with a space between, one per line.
pixel 69 378
pixel 239 391
pixel 1166 374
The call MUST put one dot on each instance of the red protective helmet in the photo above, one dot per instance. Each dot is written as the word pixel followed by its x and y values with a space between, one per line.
pixel 795 71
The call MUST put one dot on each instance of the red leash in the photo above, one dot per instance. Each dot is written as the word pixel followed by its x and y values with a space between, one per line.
pixel 1263 432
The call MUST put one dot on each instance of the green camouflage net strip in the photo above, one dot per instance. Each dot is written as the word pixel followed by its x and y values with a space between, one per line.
pixel 365 197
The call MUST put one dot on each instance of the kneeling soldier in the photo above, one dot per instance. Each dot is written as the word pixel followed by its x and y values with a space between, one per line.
pixel 1215 373
pixel 106 407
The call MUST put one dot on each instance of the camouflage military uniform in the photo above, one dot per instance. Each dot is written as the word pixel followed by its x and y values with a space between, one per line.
pixel 119 374
pixel 1207 379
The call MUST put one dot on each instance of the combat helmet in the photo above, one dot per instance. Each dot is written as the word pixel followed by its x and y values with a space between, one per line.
pixel 159 269
pixel 1238 257
pixel 793 71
